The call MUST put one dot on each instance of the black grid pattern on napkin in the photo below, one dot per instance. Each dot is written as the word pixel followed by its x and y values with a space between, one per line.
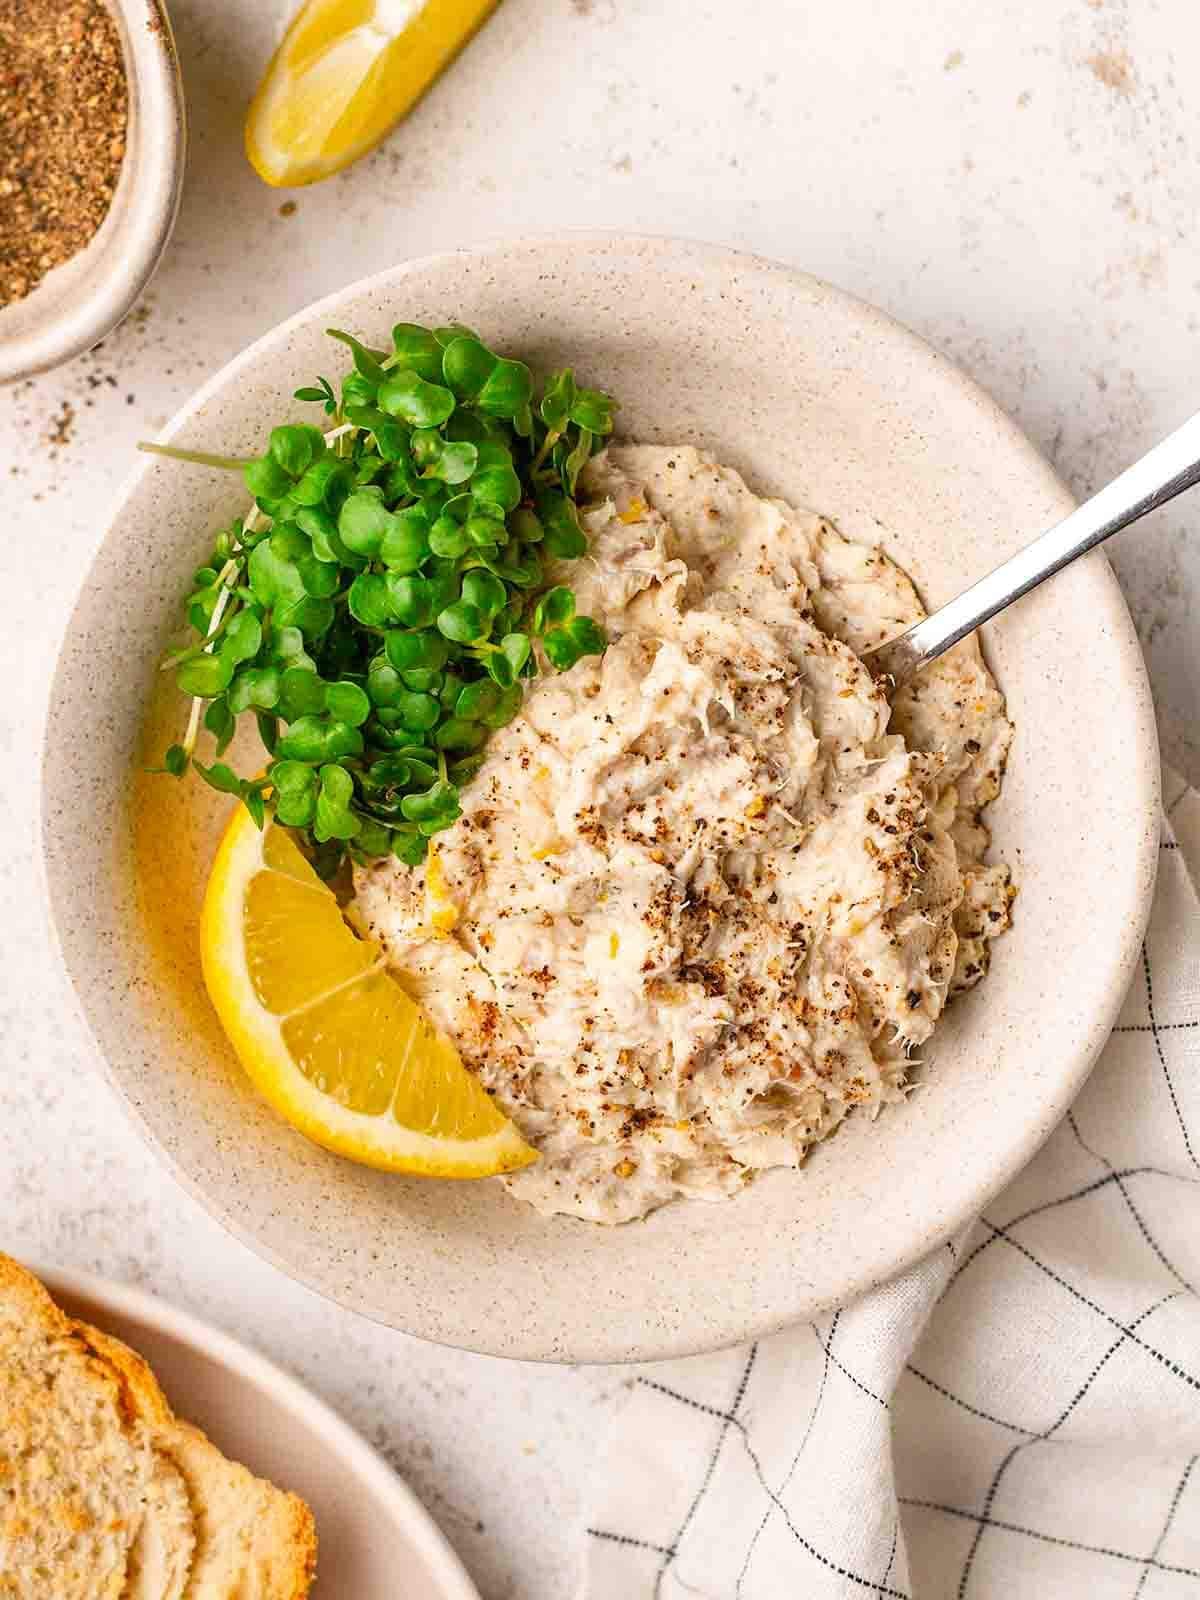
pixel 1128 1334
pixel 776 1504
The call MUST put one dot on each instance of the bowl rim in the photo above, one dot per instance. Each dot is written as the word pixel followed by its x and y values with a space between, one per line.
pixel 663 1344
pixel 108 290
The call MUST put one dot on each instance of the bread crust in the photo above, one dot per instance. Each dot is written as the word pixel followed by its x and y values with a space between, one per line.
pixel 73 1479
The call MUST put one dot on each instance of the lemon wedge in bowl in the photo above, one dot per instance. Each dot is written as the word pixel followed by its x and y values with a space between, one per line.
pixel 328 1036
pixel 345 74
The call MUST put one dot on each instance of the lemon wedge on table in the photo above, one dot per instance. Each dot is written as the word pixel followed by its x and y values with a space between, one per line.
pixel 330 1039
pixel 345 74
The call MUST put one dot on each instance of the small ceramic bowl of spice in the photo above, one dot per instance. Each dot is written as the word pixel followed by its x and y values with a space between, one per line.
pixel 91 164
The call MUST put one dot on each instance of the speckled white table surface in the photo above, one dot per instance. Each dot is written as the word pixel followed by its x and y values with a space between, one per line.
pixel 1017 180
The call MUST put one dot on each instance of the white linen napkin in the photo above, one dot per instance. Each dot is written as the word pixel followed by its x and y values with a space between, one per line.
pixel 1017 1416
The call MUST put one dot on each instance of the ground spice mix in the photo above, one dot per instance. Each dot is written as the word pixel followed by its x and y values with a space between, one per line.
pixel 63 101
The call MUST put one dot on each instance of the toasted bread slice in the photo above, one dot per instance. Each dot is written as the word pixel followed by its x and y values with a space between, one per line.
pixel 253 1541
pixel 160 1562
pixel 74 1479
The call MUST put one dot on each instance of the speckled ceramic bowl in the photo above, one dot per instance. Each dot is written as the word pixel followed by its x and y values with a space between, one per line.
pixel 77 304
pixel 814 396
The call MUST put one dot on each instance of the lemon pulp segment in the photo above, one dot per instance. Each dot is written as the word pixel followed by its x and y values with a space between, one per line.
pixel 344 75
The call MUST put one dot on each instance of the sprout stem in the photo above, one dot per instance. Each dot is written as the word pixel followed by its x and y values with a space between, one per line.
pixel 548 443
pixel 199 458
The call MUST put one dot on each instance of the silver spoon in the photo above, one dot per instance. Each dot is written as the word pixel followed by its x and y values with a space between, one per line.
pixel 1161 474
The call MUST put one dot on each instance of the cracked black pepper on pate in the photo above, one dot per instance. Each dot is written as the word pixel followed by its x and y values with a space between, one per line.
pixel 713 889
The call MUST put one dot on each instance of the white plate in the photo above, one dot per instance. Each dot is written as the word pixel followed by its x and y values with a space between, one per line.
pixel 375 1539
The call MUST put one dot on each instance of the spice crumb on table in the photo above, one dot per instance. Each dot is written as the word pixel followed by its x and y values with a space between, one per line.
pixel 63 106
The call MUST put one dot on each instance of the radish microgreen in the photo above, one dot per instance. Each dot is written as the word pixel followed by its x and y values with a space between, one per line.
pixel 382 606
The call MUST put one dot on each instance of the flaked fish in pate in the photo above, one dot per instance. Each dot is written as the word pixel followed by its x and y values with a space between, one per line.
pixel 712 889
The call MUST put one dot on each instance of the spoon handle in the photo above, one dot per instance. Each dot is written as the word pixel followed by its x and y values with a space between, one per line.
pixel 1162 473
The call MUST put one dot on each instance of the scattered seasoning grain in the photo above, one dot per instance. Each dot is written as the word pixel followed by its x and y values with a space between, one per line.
pixel 61 424
pixel 63 99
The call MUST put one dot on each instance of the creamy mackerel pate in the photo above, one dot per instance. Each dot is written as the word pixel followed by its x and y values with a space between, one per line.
pixel 712 889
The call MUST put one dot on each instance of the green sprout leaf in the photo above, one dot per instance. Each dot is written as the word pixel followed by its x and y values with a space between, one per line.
pixel 462 622
pixel 499 669
pixel 508 390
pixel 347 703
pixel 414 400
pixel 405 545
pixel 316 738
pixel 254 688
pixel 457 733
pixel 243 639
pixel 205 676
pixel 414 602
pixel 321 527
pixel 497 486
pixel 419 712
pixel 406 651
pixel 439 800
pixel 295 793
pixel 334 818
pixel 485 592
pixel 575 461
pixel 321 392
pixel 219 777
pixel 452 462
pixel 323 483
pixel 505 708
pixel 220 722
pixel 485 531
pixel 414 349
pixel 594 411
pixel 301 693
pixel 476 700
pixel 372 839
pixel 274 581
pixel 558 397
pixel 516 648
pixel 410 847
pixel 588 636
pixel 363 521
pixel 554 608
pixel 368 600
pixel 449 538
pixel 295 446
pixel 466 367
pixel 566 645
pixel 367 363
pixel 564 538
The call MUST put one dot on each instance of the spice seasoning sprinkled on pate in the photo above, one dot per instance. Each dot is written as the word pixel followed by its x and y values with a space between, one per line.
pixel 712 889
